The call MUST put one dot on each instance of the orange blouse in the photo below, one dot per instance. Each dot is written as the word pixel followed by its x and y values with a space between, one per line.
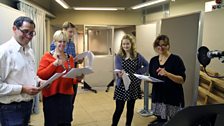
pixel 47 69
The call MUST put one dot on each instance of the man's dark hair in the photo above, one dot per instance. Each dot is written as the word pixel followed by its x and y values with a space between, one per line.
pixel 19 21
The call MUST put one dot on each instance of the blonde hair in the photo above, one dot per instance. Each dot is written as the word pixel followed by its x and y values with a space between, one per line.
pixel 60 35
pixel 133 51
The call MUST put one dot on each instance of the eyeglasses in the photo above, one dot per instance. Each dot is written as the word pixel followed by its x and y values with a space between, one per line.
pixel 27 32
pixel 162 45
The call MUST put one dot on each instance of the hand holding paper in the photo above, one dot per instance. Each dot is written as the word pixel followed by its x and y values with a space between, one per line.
pixel 79 72
pixel 119 72
pixel 89 56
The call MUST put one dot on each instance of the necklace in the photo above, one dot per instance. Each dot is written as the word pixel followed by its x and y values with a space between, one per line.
pixel 68 62
pixel 162 59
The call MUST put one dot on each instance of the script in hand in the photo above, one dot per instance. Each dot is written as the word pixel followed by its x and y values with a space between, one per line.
pixel 75 72
pixel 51 79
pixel 147 78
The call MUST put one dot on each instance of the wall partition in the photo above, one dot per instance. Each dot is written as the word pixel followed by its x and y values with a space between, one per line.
pixel 185 38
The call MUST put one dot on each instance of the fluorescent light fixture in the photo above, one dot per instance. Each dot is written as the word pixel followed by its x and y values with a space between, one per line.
pixel 62 3
pixel 148 3
pixel 99 8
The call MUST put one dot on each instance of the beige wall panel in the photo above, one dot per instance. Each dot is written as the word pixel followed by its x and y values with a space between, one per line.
pixel 213 36
pixel 99 18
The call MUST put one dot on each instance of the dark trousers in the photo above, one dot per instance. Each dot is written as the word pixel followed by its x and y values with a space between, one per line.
pixel 75 89
pixel 15 114
pixel 119 109
pixel 57 110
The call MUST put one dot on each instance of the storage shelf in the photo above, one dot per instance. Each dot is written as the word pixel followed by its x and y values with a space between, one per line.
pixel 210 90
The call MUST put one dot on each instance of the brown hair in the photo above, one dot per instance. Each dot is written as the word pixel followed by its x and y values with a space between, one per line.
pixel 67 25
pixel 133 52
pixel 163 38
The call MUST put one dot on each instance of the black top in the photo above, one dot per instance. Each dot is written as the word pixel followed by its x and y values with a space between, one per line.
pixel 167 92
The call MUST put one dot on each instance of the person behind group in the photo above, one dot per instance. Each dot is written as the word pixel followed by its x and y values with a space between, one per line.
pixel 129 61
pixel 18 78
pixel 57 97
pixel 167 96
pixel 70 49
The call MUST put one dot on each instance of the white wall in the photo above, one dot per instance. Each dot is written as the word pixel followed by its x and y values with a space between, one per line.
pixel 117 39
pixel 213 37
pixel 8 15
pixel 99 17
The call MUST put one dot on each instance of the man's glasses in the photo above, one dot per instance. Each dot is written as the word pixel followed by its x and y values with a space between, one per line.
pixel 26 32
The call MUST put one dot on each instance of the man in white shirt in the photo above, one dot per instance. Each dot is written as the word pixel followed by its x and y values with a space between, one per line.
pixel 18 80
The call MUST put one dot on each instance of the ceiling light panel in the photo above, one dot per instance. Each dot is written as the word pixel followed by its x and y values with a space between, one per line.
pixel 62 3
pixel 98 8
pixel 149 3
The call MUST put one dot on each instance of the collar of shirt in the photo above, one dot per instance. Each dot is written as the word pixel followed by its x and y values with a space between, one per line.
pixel 17 46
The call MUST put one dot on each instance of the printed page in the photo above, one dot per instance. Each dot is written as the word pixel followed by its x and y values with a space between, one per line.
pixel 126 81
pixel 75 72
pixel 51 79
pixel 147 78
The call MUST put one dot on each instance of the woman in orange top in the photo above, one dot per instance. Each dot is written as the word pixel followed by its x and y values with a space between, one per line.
pixel 57 98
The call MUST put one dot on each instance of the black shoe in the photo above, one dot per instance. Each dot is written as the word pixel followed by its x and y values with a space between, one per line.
pixel 157 123
pixel 153 122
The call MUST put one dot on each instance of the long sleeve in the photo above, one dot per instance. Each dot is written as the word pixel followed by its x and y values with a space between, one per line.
pixel 17 68
pixel 143 65
pixel 7 88
pixel 118 64
pixel 46 68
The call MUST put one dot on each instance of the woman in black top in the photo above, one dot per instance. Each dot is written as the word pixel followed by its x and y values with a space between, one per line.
pixel 167 96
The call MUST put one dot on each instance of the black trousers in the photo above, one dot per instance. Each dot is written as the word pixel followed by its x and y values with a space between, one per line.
pixel 57 110
pixel 119 109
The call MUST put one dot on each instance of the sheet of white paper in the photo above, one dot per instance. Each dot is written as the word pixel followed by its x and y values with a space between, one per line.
pixel 82 55
pixel 117 70
pixel 89 56
pixel 51 79
pixel 147 78
pixel 74 72
pixel 126 81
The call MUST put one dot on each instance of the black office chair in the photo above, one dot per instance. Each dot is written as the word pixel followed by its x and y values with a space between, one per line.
pixel 205 115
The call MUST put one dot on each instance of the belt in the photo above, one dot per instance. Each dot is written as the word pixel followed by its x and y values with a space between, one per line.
pixel 14 103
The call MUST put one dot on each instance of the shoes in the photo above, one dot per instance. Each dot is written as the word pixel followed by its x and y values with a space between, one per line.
pixel 157 123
